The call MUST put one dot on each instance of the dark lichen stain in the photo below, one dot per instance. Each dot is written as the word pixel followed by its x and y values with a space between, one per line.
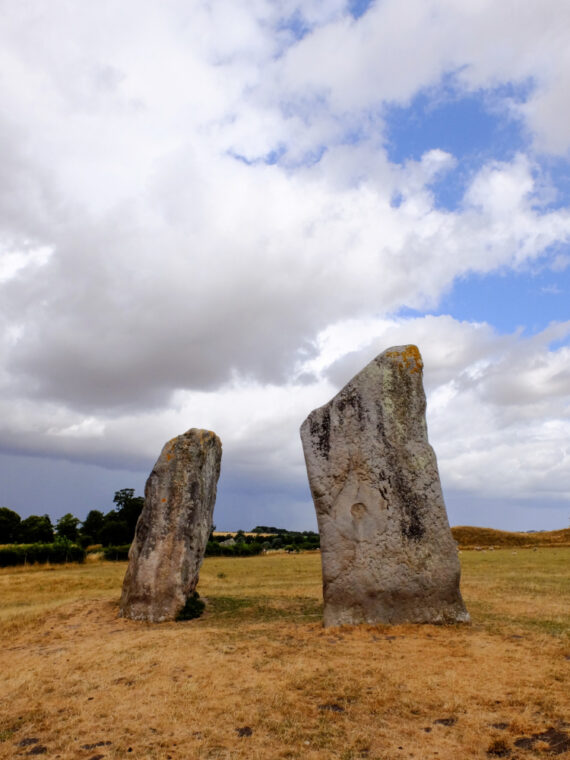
pixel 403 495
pixel 321 432
pixel 194 489
pixel 349 397
pixel 380 421
pixel 411 523
pixel 412 526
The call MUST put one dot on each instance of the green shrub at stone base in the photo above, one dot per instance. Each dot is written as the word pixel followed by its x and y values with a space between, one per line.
pixel 193 608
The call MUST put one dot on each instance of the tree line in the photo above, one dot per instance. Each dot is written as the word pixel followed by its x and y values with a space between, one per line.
pixel 113 528
pixel 263 539
pixel 116 530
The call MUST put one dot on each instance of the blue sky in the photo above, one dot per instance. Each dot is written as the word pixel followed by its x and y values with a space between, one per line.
pixel 477 128
pixel 509 301
pixel 213 215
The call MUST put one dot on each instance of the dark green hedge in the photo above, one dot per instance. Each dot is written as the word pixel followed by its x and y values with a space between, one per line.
pixel 292 542
pixel 117 553
pixel 214 549
pixel 56 553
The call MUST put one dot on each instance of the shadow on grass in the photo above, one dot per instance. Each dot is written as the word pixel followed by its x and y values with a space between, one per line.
pixel 228 609
pixel 495 622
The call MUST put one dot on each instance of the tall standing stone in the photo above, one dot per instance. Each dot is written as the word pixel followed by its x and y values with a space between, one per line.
pixel 173 528
pixel 388 555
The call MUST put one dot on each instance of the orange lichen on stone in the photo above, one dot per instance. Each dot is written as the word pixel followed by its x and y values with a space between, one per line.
pixel 170 445
pixel 206 436
pixel 411 358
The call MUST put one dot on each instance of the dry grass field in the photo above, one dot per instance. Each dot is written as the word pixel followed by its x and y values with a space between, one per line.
pixel 258 677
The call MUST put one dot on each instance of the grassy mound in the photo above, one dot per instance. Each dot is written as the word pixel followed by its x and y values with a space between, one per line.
pixel 469 537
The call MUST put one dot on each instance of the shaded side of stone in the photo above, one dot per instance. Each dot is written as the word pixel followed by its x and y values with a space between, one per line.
pixel 173 528
pixel 387 550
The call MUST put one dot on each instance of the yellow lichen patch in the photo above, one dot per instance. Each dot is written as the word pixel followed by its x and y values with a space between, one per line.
pixel 206 436
pixel 411 358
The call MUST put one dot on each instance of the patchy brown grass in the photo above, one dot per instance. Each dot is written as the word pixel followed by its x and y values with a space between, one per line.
pixel 258 677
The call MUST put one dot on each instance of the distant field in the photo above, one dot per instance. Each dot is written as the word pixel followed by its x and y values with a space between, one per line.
pixel 258 677
pixel 469 537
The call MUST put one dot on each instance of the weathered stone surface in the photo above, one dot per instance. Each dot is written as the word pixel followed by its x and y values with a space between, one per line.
pixel 173 529
pixel 387 551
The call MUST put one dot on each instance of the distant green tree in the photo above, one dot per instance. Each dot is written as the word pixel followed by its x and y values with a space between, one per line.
pixel 115 532
pixel 35 529
pixel 9 526
pixel 268 529
pixel 122 497
pixel 91 527
pixel 68 527
pixel 128 509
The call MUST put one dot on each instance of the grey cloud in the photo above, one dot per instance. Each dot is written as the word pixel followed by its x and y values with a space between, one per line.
pixel 485 449
pixel 177 268
pixel 39 485
pixel 188 267
pixel 442 342
pixel 126 312
pixel 96 339
pixel 522 389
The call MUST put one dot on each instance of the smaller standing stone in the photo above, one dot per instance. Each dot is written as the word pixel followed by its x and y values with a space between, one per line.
pixel 173 528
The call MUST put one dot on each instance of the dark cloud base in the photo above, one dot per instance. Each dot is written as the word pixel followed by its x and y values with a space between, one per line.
pixel 33 485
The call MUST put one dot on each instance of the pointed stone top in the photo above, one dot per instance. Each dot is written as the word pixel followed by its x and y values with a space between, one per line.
pixel 408 356
pixel 199 433
pixel 194 436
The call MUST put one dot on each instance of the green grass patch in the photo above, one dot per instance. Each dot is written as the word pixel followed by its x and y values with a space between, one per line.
pixel 262 609
pixel 518 588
